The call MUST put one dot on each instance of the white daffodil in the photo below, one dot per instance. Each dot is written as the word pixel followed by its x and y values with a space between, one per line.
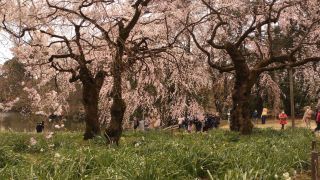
pixel 286 176
pixel 57 155
pixel 49 135
pixel 33 141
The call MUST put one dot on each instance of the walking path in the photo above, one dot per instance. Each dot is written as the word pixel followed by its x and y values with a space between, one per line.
pixel 274 124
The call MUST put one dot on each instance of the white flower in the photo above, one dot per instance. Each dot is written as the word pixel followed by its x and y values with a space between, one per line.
pixel 51 145
pixel 136 145
pixel 57 126
pixel 276 176
pixel 33 141
pixel 57 155
pixel 286 175
pixel 41 150
pixel 48 136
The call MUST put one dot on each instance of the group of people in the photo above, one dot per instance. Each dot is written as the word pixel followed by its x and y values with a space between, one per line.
pixel 206 123
pixel 57 119
pixel 264 115
pixel 148 123
pixel 307 117
pixel 283 117
pixel 209 121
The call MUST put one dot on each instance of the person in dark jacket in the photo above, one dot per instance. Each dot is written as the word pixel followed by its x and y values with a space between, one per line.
pixel 211 122
pixel 208 123
pixel 255 116
pixel 197 124
pixel 40 127
pixel 135 123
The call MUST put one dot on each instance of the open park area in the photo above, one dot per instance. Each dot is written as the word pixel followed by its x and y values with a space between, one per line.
pixel 159 89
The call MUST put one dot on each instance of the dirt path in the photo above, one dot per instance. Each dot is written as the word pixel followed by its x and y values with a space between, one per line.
pixel 274 124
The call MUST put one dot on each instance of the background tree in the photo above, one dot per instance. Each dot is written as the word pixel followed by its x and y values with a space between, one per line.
pixel 102 50
pixel 239 37
pixel 63 37
pixel 12 80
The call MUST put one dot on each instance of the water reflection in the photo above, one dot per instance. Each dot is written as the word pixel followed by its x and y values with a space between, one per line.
pixel 27 123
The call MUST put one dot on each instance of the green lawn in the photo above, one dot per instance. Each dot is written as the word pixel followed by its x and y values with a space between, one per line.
pixel 219 154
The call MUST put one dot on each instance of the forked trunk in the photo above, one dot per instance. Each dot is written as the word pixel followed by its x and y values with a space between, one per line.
pixel 90 103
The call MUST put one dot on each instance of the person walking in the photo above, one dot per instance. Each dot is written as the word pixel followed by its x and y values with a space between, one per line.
pixel 307 116
pixel 229 116
pixel 40 127
pixel 317 121
pixel 283 119
pixel 255 116
pixel 264 115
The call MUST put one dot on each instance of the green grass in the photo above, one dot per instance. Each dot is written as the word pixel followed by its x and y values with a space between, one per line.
pixel 156 155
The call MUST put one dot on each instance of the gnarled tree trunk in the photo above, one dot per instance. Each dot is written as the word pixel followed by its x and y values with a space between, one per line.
pixel 91 90
pixel 244 81
pixel 240 117
pixel 114 130
pixel 90 103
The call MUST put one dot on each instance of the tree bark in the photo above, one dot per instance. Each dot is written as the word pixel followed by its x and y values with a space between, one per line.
pixel 114 130
pixel 90 92
pixel 244 81
pixel 240 117
pixel 90 103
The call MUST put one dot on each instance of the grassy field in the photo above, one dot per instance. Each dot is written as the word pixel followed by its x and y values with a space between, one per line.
pixel 219 154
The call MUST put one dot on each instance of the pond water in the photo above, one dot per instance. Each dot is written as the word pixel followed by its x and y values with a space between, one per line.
pixel 27 123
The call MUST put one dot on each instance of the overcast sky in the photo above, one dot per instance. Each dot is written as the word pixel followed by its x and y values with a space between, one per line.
pixel 5 46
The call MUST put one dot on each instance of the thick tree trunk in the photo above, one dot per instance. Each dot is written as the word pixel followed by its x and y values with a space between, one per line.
pixel 114 130
pixel 244 81
pixel 90 103
pixel 240 117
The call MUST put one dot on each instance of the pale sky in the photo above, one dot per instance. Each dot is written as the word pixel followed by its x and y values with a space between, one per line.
pixel 5 46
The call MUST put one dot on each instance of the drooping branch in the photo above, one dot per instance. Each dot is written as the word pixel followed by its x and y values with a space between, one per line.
pixel 64 38
pixel 22 31
pixel 127 29
pixel 213 35
pixel 228 68
pixel 289 64
pixel 268 20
